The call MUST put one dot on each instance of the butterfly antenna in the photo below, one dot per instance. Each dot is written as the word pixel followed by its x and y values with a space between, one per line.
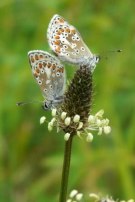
pixel 115 51
pixel 106 53
pixel 25 103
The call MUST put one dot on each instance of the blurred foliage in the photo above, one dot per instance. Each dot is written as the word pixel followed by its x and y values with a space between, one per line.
pixel 30 157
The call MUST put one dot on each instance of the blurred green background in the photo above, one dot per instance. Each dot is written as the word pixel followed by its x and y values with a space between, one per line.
pixel 31 157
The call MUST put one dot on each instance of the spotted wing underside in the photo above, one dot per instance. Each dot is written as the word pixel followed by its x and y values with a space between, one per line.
pixel 66 42
pixel 48 72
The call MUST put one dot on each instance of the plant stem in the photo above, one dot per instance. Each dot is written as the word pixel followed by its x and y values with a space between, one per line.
pixel 65 171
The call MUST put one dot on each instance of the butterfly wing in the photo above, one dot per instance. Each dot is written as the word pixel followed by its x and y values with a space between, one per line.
pixel 66 42
pixel 48 72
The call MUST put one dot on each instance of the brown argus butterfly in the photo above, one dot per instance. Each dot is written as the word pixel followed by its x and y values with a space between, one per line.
pixel 66 42
pixel 50 76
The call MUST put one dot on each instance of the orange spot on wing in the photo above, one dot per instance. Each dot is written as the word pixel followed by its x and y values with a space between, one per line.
pixel 61 20
pixel 58 32
pixel 62 30
pixel 58 70
pixel 67 30
pixel 35 74
pixel 56 37
pixel 49 65
pixel 62 69
pixel 40 65
pixel 57 42
pixel 57 50
pixel 37 71
pixel 41 56
pixel 53 66
pixel 32 59
pixel 44 64
pixel 73 31
pixel 36 57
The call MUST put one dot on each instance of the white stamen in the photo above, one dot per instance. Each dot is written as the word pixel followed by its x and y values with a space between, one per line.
pixel 91 119
pixel 66 136
pixel 100 113
pixel 79 196
pixel 50 126
pixel 107 121
pixel 107 129
pixel 67 121
pixel 63 115
pixel 73 193
pixel 54 112
pixel 53 121
pixel 69 200
pixel 80 125
pixel 76 118
pixel 89 137
pixel 42 119
pixel 98 122
pixel 92 195
pixel 100 130
pixel 130 200
pixel 79 134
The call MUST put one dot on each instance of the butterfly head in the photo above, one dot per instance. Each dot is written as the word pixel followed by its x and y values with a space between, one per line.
pixel 92 62
pixel 47 105
pixel 50 104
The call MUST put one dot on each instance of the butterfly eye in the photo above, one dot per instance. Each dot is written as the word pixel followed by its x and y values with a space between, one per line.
pixel 46 106
pixel 97 58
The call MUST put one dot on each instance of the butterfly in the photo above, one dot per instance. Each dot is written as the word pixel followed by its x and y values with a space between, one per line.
pixel 50 76
pixel 68 45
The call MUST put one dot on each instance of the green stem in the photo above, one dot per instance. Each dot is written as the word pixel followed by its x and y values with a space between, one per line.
pixel 65 171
